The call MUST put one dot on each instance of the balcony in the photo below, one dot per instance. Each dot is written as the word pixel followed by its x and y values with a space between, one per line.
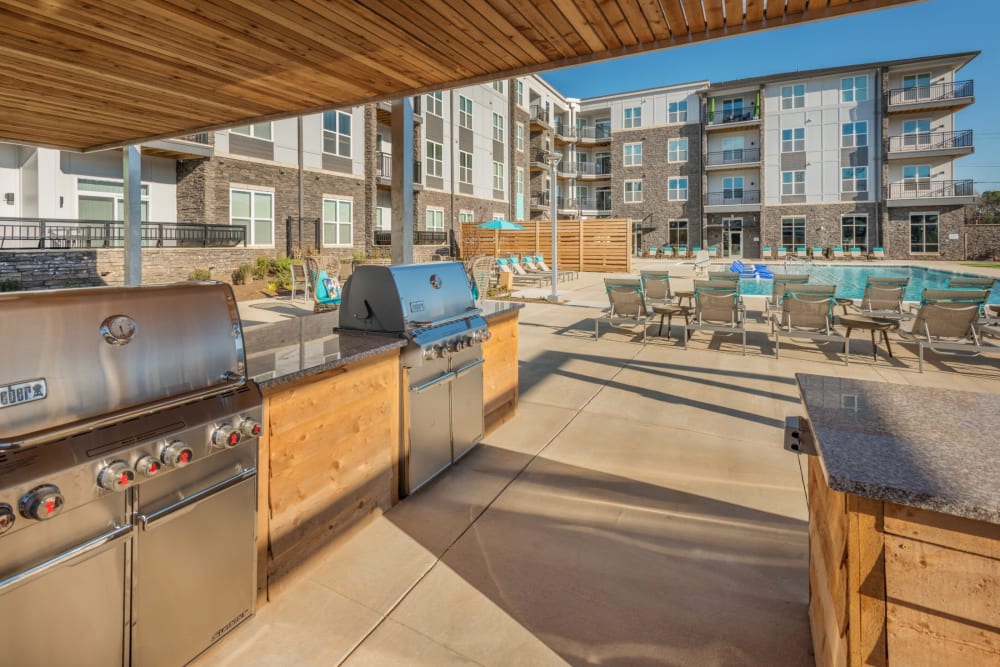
pixel 383 237
pixel 540 117
pixel 935 96
pixel 383 110
pixel 732 200
pixel 190 146
pixel 599 134
pixel 738 158
pixel 383 171
pixel 537 160
pixel 593 170
pixel 931 144
pixel 731 119
pixel 936 193
pixel 42 234
pixel 594 206
pixel 565 133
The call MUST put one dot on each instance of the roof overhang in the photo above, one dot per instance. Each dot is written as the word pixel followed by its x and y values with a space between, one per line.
pixel 86 76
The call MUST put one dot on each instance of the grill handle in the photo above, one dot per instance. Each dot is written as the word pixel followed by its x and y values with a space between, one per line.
pixel 447 377
pixel 177 509
pixel 469 366
pixel 451 318
pixel 67 430
pixel 65 558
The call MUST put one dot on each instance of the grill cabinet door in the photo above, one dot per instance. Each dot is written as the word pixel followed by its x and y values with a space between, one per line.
pixel 467 408
pixel 430 430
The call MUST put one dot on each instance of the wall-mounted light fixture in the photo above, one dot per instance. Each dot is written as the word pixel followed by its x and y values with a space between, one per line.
pixel 9 198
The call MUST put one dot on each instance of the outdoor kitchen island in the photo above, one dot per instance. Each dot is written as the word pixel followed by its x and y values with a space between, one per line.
pixel 904 523
pixel 330 449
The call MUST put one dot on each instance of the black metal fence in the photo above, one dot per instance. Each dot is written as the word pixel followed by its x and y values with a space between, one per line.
pixel 722 116
pixel 539 114
pixel 733 197
pixel 921 189
pixel 734 156
pixel 43 234
pixel 383 167
pixel 937 92
pixel 419 238
pixel 930 141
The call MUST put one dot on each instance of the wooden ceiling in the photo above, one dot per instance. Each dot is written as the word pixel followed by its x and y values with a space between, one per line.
pixel 86 75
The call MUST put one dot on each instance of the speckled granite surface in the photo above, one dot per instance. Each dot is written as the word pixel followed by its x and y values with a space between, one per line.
pixel 923 447
pixel 498 308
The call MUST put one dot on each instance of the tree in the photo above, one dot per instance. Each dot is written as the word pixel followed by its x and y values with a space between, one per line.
pixel 990 198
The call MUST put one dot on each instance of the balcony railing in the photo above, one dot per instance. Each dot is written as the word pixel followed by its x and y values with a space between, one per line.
pixel 723 116
pixel 593 204
pixel 600 168
pixel 931 189
pixel 733 198
pixel 199 138
pixel 419 238
pixel 383 167
pixel 930 141
pixel 539 114
pixel 937 92
pixel 23 233
pixel 565 130
pixel 595 132
pixel 734 156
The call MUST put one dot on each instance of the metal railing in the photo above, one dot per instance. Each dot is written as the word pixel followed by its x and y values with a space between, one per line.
pixel 199 138
pixel 929 141
pixel 589 203
pixel 936 92
pixel 600 168
pixel 383 167
pixel 595 132
pixel 930 189
pixel 422 237
pixel 734 156
pixel 723 116
pixel 565 130
pixel 32 233
pixel 539 114
pixel 732 198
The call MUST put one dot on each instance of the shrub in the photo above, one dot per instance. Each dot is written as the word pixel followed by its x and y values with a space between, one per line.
pixel 10 285
pixel 261 268
pixel 200 274
pixel 242 274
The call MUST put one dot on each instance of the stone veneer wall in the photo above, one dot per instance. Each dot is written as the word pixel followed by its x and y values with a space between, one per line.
pixel 982 242
pixel 896 234
pixel 822 222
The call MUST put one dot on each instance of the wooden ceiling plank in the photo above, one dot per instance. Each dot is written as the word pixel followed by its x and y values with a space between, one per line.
pixel 837 3
pixel 755 11
pixel 500 26
pixel 816 6
pixel 536 28
pixel 734 13
pixel 636 19
pixel 596 19
pixel 576 27
pixel 713 14
pixel 612 10
pixel 793 7
pixel 775 10
pixel 658 23
pixel 558 27
pixel 695 20
pixel 675 16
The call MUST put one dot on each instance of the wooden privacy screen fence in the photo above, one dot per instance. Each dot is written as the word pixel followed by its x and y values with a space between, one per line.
pixel 584 245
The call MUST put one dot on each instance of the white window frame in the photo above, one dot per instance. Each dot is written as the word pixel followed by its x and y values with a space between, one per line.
pixel 434 219
pixel 498 133
pixel 850 136
pixel 732 149
pixel 851 92
pixel 465 215
pixel 435 104
pixel 633 191
pixel 796 141
pixel 336 135
pixel 498 216
pixel 499 177
pixel 250 226
pixel 632 117
pixel 936 223
pixel 339 224
pixel 117 200
pixel 632 154
pixel 674 229
pixel 676 191
pixel 465 112
pixel 735 189
pixel 854 217
pixel 854 180
pixel 792 221
pixel 383 218
pixel 677 150
pixel 464 170
pixel 914 135
pixel 677 112
pixel 255 130
pixel 519 90
pixel 917 183
pixel 498 86
pixel 434 154
pixel 793 96
pixel 520 136
pixel 735 106
pixel 519 175
pixel 793 185
pixel 920 90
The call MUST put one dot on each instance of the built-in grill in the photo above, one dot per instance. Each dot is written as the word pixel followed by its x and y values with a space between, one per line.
pixel 128 466
pixel 432 306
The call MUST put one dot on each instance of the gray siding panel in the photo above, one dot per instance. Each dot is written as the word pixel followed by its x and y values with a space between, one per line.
pixel 465 140
pixel 854 157
pixel 251 147
pixel 793 161
pixel 793 199
pixel 465 188
pixel 434 128
pixel 434 182
pixel 499 194
pixel 499 151
pixel 337 163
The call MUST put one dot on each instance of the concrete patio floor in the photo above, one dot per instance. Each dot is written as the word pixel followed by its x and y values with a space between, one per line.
pixel 639 510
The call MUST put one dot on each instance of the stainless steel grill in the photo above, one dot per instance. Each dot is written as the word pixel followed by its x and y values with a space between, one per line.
pixel 127 474
pixel 432 306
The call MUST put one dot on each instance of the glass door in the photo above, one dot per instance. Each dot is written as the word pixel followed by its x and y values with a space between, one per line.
pixel 732 243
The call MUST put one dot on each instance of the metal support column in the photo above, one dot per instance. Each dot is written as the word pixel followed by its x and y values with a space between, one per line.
pixel 402 181
pixel 132 177
pixel 553 160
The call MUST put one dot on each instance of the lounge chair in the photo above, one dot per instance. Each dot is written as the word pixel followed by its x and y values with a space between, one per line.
pixel 883 300
pixel 778 290
pixel 723 275
pixel 838 253
pixel 716 308
pixel 696 249
pixel 945 320
pixel 855 253
pixel 800 252
pixel 702 261
pixel 628 305
pixel 518 275
pixel 564 274
pixel 766 253
pixel 301 281
pixel 656 287
pixel 878 253
pixel 817 252
pixel 796 286
pixel 807 315
pixel 965 282
pixel 682 252
pixel 713 251
pixel 652 252
pixel 781 252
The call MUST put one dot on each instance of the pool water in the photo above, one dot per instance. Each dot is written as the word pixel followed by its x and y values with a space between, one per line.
pixel 850 280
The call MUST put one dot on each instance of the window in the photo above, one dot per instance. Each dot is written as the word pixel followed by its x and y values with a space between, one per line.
pixel 602 163
pixel 338 222
pixel 434 105
pixel 917 177
pixel 519 87
pixel 916 87
pixel 793 232
pixel 434 159
pixel 602 128
pixel 917 132
pixel 793 182
pixel 732 150
pixel 520 136
pixel 497 127
pixel 255 212
pixel 603 198
pixel 677 232
pixel 677 189
pixel 498 216
pixel 498 178
pixel 633 117
pixel 793 140
pixel 383 219
pixel 854 231
pixel 854 135
pixel 924 232
pixel 257 130
pixel 583 196
pixel 633 191
pixel 677 112
pixel 464 112
pixel 732 110
pixel 793 97
pixel 854 89
pixel 519 174
pixel 854 179
pixel 105 200
pixel 633 154
pixel 466 216
pixel 677 150
pixel 464 167
pixel 732 188
pixel 498 86
pixel 337 133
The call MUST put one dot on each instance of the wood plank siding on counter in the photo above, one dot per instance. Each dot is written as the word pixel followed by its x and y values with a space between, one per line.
pixel 500 371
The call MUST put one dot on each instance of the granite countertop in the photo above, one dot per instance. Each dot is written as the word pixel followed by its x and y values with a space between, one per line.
pixel 497 308
pixel 283 351
pixel 924 447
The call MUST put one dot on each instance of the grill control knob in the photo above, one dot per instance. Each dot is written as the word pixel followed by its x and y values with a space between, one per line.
pixel 430 353
pixel 41 503
pixel 177 454
pixel 486 335
pixel 147 466
pixel 443 351
pixel 249 428
pixel 7 518
pixel 116 476
pixel 226 436
pixel 458 345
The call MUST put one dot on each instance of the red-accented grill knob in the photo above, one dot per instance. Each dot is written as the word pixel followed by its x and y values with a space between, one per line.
pixel 116 476
pixel 226 436
pixel 147 466
pixel 250 428
pixel 42 502
pixel 177 454
pixel 7 518
pixel 486 336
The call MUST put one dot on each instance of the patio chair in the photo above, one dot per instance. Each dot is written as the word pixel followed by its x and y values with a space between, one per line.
pixel 713 251
pixel 883 300
pixel 723 275
pixel 300 281
pixel 778 290
pixel 324 270
pixel 781 252
pixel 518 275
pixel 652 252
pixel 766 252
pixel 628 305
pixel 855 253
pixel 817 252
pixel 796 286
pixel 702 261
pixel 531 267
pixel 696 249
pixel 807 315
pixel 682 252
pixel 838 253
pixel 966 282
pixel 878 253
pixel 568 273
pixel 656 286
pixel 945 322
pixel 522 273
pixel 717 309
pixel 800 252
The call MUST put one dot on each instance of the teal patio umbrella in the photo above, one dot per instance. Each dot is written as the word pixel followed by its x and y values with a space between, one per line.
pixel 498 226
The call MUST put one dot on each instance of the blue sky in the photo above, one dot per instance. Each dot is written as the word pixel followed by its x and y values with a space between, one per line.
pixel 927 28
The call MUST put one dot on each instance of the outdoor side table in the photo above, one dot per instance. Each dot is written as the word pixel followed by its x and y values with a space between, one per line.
pixel 873 325
pixel 844 303
pixel 668 311
pixel 689 295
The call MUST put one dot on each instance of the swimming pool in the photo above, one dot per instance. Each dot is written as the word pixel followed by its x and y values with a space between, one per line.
pixel 850 280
